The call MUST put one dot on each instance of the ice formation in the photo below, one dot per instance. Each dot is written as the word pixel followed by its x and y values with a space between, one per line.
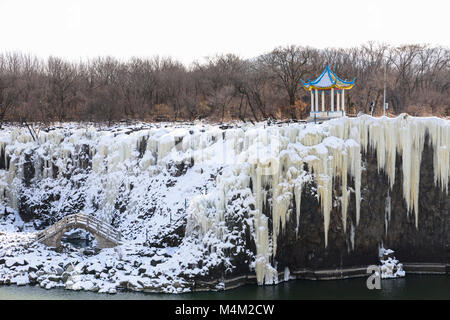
pixel 390 266
pixel 267 167
pixel 404 136
pixel 275 160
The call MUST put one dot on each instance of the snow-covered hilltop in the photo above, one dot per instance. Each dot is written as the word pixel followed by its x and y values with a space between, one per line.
pixel 200 204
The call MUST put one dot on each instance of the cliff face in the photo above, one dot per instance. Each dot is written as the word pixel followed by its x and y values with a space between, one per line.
pixel 246 199
pixel 342 214
pixel 383 220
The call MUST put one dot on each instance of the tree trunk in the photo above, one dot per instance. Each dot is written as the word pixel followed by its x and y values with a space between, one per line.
pixel 291 98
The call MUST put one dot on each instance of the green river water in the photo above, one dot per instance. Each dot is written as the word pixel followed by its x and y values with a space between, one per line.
pixel 410 287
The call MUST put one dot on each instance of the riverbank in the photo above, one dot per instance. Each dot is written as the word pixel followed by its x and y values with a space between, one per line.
pixel 135 268
pixel 23 261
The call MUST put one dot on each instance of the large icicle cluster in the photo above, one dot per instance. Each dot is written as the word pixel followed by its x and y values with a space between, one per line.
pixel 404 136
pixel 273 160
pixel 281 159
pixel 267 167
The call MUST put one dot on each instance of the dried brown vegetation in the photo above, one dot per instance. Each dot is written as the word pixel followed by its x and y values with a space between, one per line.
pixel 221 88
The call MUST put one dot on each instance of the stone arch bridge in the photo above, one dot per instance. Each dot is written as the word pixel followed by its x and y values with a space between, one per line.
pixel 106 236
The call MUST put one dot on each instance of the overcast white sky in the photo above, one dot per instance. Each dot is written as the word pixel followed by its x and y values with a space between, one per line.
pixel 192 29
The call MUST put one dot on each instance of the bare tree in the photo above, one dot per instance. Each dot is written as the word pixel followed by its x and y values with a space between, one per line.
pixel 288 65
pixel 61 90
pixel 221 87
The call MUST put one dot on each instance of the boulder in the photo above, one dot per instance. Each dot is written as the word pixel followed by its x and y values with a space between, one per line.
pixel 87 285
pixel 44 283
pixel 119 266
pixel 22 280
pixel 88 252
pixel 59 270
pixel 32 277
pixel 50 285
pixel 96 267
pixel 32 268
pixel 77 286
pixel 95 288
pixel 40 273
pixel 69 285
pixel 11 262
pixel 112 290
pixel 137 263
pixel 65 276
pixel 54 278
pixel 69 267
pixel 142 270
pixel 154 263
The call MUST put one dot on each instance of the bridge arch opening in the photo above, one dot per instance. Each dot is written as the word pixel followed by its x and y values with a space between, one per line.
pixel 79 238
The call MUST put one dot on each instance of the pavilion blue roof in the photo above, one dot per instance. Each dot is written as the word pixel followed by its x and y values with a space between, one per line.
pixel 327 80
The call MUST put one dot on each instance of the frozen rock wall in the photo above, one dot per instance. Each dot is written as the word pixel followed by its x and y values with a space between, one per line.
pixel 251 198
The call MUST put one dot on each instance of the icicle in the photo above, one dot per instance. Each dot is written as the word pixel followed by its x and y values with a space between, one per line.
pixel 324 190
pixel 298 199
pixel 265 273
pixel 439 131
pixel 391 151
pixel 387 212
pixel 352 236
pixel 345 193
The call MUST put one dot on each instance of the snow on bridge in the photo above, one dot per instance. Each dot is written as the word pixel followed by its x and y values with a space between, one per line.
pixel 105 235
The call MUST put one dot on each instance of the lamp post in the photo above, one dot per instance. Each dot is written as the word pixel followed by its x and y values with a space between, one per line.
pixel 384 91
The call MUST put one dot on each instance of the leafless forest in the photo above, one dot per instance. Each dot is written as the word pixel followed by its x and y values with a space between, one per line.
pixel 220 88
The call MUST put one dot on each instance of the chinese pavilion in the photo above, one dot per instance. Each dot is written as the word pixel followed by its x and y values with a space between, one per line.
pixel 327 83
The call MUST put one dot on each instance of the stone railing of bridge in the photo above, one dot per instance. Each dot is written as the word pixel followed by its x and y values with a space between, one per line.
pixel 106 235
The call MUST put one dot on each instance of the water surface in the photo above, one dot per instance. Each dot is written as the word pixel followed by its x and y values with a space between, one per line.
pixel 410 287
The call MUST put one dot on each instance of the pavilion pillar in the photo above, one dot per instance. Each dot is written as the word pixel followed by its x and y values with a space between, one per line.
pixel 338 100
pixel 343 99
pixel 323 101
pixel 312 101
pixel 317 101
pixel 332 99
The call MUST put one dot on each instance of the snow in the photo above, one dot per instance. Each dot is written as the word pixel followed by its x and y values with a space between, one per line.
pixel 390 267
pixel 149 181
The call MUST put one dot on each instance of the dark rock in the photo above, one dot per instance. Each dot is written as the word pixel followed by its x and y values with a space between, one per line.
pixel 137 263
pixel 69 267
pixel 88 252
pixel 59 270
pixel 95 288
pixel 32 277
pixel 119 266
pixel 65 276
pixel 54 278
pixel 32 269
pixel 155 262
pixel 142 270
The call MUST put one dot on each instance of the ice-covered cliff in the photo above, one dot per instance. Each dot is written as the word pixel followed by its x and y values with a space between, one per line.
pixel 248 198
